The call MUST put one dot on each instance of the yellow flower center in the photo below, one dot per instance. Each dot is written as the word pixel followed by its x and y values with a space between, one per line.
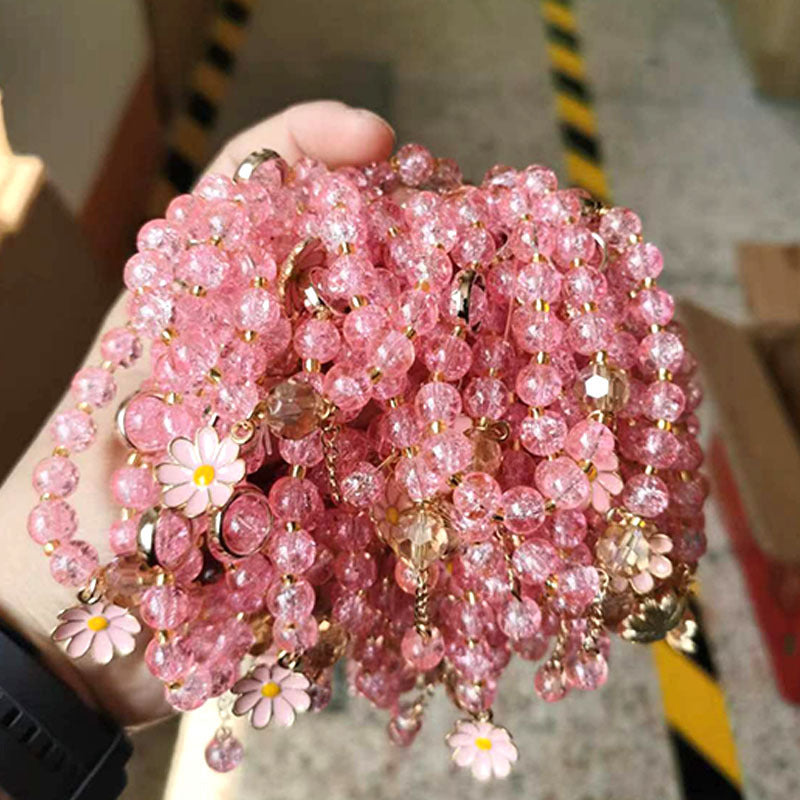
pixel 97 623
pixel 392 515
pixel 270 689
pixel 204 475
pixel 482 743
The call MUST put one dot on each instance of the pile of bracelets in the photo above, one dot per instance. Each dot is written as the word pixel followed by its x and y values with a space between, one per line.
pixel 393 419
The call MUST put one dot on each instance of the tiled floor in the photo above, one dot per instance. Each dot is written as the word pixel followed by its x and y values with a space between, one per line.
pixel 707 163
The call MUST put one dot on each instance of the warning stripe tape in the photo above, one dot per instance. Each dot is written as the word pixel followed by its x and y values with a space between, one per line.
pixel 694 703
pixel 190 134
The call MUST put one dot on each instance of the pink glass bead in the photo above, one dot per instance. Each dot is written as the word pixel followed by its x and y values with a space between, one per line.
pixel 292 552
pixel 355 570
pixel 662 350
pixel 447 453
pixel 568 528
pixel 543 435
pixel 291 599
pixel 317 339
pixel 523 509
pixel 477 497
pixel 577 588
pixel 537 331
pixel 246 523
pixel 151 312
pixel 123 535
pixel 134 487
pixel 257 310
pixel 170 660
pixel 203 265
pixel 646 495
pixel 415 164
pixel 550 684
pixel 394 355
pixel 538 385
pixel 173 538
pixel 363 485
pixel 294 636
pixel 73 563
pixel 295 499
pixel 164 607
pixel 192 691
pixel 563 481
pixel 148 270
pixel 224 753
pixel 587 671
pixel 664 400
pixel 121 347
pixel 95 386
pixel 52 520
pixel 56 476
pixel 486 397
pixel 364 327
pixel 422 651
pixel 348 387
pixel 535 560
pixel 519 618
pixel 448 356
pixel 437 402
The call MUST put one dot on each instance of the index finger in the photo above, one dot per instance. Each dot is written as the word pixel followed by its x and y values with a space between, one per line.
pixel 324 129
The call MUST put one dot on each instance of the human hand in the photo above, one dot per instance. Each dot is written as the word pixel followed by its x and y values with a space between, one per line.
pixel 29 597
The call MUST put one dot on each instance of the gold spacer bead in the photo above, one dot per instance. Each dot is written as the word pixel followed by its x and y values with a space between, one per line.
pixel 298 471
pixel 664 424
pixel 664 374
pixel 259 282
pixel 45 496
pixel 357 301
pixel 62 451
pixel 50 547
pixel 167 335
pixel 248 336
pixel 214 375
pixel 311 365
pixel 198 291
pixel 437 426
pixel 346 248
pixel 541 305
pixel 375 374
pixel 85 407
pixel 108 366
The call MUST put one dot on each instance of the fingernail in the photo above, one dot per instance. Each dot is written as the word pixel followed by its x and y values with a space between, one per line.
pixel 365 112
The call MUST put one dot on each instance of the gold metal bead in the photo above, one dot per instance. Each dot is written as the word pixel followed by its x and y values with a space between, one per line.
pixel 50 547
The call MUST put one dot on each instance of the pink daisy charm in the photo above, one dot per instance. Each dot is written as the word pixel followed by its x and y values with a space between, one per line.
pixel 386 512
pixel 271 692
pixel 104 628
pixel 487 749
pixel 605 481
pixel 202 474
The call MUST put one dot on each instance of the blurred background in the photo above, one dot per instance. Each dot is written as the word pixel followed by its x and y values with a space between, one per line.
pixel 686 110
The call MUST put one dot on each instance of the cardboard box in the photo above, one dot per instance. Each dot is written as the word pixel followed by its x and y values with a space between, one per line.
pixel 753 373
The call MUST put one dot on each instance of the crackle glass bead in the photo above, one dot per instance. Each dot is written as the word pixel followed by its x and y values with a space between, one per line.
pixel 73 563
pixel 56 476
pixel 52 519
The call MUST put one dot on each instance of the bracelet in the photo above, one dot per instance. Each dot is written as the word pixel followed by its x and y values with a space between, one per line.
pixel 392 418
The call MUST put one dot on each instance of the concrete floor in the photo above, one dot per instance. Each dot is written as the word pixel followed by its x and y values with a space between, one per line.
pixel 707 164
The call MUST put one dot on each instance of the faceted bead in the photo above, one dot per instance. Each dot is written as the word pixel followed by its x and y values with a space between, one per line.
pixel 160 236
pixel 56 476
pixel 640 262
pixel 620 227
pixel 134 487
pixel 589 333
pixel 52 519
pixel 523 509
pixel 294 635
pixel 420 537
pixel 448 356
pixel 250 575
pixel 447 453
pixel 422 651
pixel 152 312
pixel 95 386
pixel 164 607
pixel 577 588
pixel 364 327
pixel 537 331
pixel 293 409
pixel 538 281
pixel 603 388
pixel 73 563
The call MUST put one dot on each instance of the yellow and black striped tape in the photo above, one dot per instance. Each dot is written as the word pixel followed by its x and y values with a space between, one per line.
pixel 190 135
pixel 694 703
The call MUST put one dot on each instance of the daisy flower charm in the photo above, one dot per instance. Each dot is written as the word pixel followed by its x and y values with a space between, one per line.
pixel 271 692
pixel 202 474
pixel 485 748
pixel 103 628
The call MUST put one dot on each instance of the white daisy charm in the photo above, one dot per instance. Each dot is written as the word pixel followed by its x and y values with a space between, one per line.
pixel 485 748
pixel 202 474
pixel 271 693
pixel 104 628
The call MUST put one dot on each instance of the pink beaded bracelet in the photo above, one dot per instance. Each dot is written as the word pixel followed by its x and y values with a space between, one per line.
pixel 395 419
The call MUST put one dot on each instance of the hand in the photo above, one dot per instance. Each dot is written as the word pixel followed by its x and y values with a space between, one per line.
pixel 29 597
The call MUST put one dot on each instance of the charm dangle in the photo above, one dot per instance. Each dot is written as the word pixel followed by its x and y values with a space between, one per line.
pixel 102 629
pixel 272 693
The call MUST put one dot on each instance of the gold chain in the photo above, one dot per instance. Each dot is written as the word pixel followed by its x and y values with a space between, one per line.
pixel 330 449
